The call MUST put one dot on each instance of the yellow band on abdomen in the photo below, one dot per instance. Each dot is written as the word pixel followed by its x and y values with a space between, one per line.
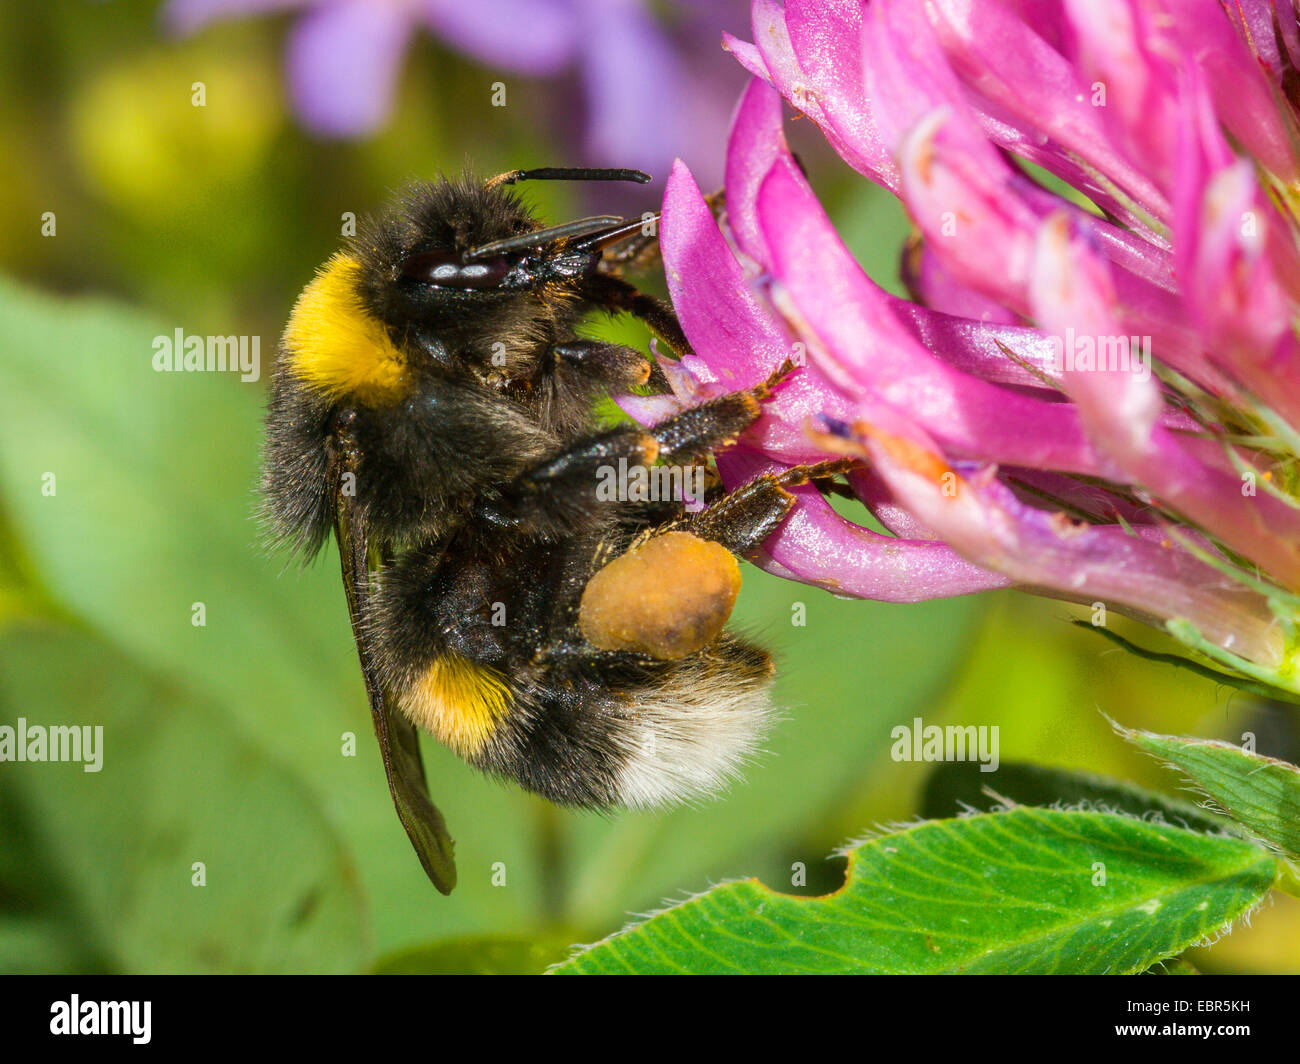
pixel 459 702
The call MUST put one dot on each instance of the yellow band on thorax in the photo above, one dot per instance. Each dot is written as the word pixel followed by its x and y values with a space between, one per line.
pixel 337 347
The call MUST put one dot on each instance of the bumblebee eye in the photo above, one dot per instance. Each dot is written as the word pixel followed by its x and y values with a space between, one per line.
pixel 447 270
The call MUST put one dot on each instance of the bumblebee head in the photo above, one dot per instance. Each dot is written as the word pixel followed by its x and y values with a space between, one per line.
pixel 457 278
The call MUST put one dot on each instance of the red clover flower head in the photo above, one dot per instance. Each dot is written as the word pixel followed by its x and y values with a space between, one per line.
pixel 1094 396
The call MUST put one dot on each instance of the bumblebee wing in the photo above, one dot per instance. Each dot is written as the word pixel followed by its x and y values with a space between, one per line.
pixel 398 741
pixel 424 824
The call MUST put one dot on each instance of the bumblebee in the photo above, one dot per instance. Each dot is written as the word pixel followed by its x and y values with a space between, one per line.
pixel 432 406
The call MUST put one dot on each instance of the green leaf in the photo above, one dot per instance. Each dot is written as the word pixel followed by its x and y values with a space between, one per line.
pixel 1260 793
pixel 1173 966
pixel 176 787
pixel 955 784
pixel 1015 891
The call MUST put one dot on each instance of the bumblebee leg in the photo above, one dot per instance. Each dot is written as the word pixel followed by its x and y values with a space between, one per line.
pixel 613 365
pixel 742 519
pixel 672 591
pixel 797 476
pixel 669 594
pixel 642 250
pixel 554 497
pixel 719 421
pixel 617 295
pixel 638 252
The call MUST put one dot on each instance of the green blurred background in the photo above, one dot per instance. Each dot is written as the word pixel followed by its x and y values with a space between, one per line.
pixel 226 744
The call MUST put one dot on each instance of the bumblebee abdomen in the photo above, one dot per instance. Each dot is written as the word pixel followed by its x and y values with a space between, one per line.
pixel 659 733
pixel 460 702
pixel 478 639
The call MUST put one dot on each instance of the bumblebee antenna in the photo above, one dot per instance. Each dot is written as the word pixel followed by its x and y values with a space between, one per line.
pixel 584 227
pixel 569 173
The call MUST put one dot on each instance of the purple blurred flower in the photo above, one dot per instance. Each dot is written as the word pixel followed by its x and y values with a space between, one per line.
pixel 644 101
pixel 1011 433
